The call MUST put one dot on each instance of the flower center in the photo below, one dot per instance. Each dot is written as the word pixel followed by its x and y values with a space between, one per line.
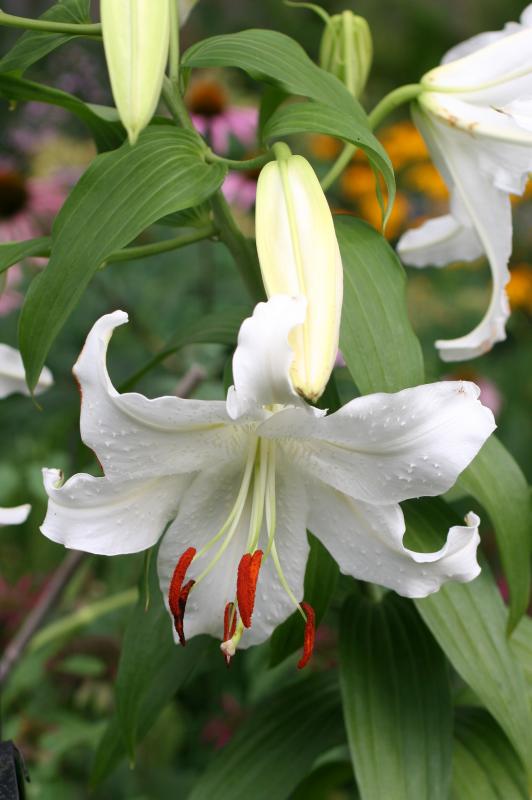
pixel 13 193
pixel 207 98
pixel 256 499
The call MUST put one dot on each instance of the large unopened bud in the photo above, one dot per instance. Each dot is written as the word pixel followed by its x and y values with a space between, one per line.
pixel 136 37
pixel 299 255
pixel 346 50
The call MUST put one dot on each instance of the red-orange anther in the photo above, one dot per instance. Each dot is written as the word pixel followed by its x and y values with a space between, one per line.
pixel 309 636
pixel 229 621
pixel 246 585
pixel 178 594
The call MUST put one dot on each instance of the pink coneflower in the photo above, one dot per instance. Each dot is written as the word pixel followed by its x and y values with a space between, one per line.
pixel 27 209
pixel 240 189
pixel 216 119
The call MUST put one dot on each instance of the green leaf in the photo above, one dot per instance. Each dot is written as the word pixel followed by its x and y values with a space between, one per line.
pixel 102 122
pixel 34 45
pixel 149 656
pixel 13 252
pixel 121 194
pixel 397 701
pixel 377 341
pixel 485 764
pixel 314 117
pixel 326 781
pixel 521 644
pixel 276 58
pixel 220 327
pixel 321 577
pixel 495 480
pixel 469 622
pixel 278 744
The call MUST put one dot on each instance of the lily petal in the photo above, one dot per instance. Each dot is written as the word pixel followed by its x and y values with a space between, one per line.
pixel 367 543
pixel 134 437
pixel 491 74
pixel 13 376
pixel 109 518
pixel 204 509
pixel 14 516
pixel 438 242
pixel 262 360
pixel 384 448
pixel 469 171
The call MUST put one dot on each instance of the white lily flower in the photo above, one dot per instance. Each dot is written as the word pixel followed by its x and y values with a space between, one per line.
pixel 13 377
pixel 299 256
pixel 243 480
pixel 14 516
pixel 475 114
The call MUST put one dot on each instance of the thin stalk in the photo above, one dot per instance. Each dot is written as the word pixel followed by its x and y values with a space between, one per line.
pixel 246 164
pixel 82 617
pixel 144 251
pixel 388 104
pixel 147 250
pixel 241 248
pixel 176 105
pixel 173 60
pixel 49 26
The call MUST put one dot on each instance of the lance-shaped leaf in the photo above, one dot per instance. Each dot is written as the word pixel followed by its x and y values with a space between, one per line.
pixel 495 480
pixel 397 701
pixel 102 121
pixel 34 45
pixel 276 58
pixel 275 748
pixel 469 622
pixel 377 341
pixel 151 667
pixel 120 195
pixel 485 765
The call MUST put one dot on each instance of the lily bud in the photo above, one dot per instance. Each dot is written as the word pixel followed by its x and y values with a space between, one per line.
pixel 136 37
pixel 346 50
pixel 299 256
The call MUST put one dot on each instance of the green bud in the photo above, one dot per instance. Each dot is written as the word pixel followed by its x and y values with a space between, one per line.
pixel 346 50
pixel 136 37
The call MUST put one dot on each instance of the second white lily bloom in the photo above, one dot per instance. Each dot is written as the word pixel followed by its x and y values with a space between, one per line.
pixel 475 113
pixel 242 481
pixel 299 256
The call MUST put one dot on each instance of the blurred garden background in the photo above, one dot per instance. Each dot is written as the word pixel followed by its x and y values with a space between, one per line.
pixel 59 699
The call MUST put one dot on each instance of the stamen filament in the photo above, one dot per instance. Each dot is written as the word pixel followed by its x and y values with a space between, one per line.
pixel 284 582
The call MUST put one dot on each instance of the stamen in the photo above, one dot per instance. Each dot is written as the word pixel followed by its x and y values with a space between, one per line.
pixel 309 636
pixel 177 593
pixel 229 621
pixel 179 618
pixel 246 587
pixel 228 647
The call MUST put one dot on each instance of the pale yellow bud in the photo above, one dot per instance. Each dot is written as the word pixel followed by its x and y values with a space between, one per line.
pixel 346 50
pixel 299 256
pixel 136 37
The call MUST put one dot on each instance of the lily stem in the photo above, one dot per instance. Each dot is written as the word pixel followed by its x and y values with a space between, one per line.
pixel 146 250
pixel 173 60
pixel 49 26
pixel 385 107
pixel 154 249
pixel 231 163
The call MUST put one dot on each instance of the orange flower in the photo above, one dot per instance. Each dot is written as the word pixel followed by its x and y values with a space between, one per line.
pixel 519 289
pixel 357 180
pixel 403 144
pixel 324 147
pixel 425 178
pixel 370 211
